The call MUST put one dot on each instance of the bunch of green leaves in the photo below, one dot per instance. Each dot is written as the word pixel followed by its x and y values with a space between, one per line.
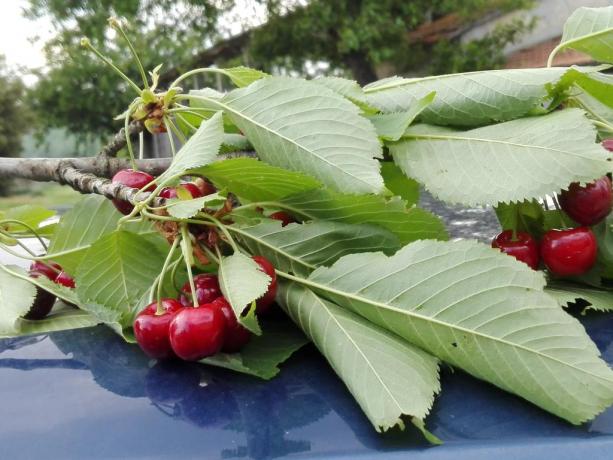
pixel 366 275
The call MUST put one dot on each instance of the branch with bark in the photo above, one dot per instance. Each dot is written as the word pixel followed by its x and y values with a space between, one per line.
pixel 120 139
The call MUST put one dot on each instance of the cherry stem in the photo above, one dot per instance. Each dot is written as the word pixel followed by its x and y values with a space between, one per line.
pixel 186 246
pixel 87 44
pixel 175 130
pixel 141 145
pixel 116 24
pixel 31 229
pixel 129 143
pixel 160 310
pixel 197 71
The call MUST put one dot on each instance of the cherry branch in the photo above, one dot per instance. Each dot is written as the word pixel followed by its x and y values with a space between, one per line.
pixel 119 140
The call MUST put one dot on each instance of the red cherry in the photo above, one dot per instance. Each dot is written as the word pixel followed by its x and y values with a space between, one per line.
pixel 588 204
pixel 263 303
pixel 151 329
pixel 48 269
pixel 134 179
pixel 196 333
pixel 204 187
pixel 523 248
pixel 207 290
pixel 284 217
pixel 608 144
pixel 171 192
pixel 236 335
pixel 569 252
pixel 65 280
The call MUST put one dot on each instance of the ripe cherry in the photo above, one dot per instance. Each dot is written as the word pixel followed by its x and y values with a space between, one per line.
pixel 205 187
pixel 263 303
pixel 608 144
pixel 588 204
pixel 569 252
pixel 171 192
pixel 207 290
pixel 236 335
pixel 196 333
pixel 284 217
pixel 134 179
pixel 65 280
pixel 524 248
pixel 49 269
pixel 151 329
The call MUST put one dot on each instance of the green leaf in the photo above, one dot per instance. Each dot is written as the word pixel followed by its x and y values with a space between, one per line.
pixel 16 298
pixel 596 109
pixel 408 224
pixel 391 126
pixel 32 215
pixel 235 143
pixel 589 30
pixel 526 216
pixel 263 354
pixel 117 270
pixel 468 99
pixel 567 292
pixel 89 220
pixel 184 209
pixel 243 76
pixel 387 376
pixel 242 281
pixel 304 127
pixel 479 310
pixel 254 180
pixel 598 85
pixel 348 89
pixel 399 184
pixel 65 293
pixel 202 148
pixel 512 161
pixel 300 248
pixel 58 320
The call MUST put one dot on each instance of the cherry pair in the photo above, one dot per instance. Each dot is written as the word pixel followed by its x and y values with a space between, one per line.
pixel 564 252
pixel 44 300
pixel 195 333
pixel 142 180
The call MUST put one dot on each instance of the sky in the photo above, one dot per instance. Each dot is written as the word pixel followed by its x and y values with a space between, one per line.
pixel 15 32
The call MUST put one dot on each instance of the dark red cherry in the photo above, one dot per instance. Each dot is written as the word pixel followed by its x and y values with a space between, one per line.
pixel 588 204
pixel 236 335
pixel 196 333
pixel 608 144
pixel 569 252
pixel 284 217
pixel 524 248
pixel 134 179
pixel 42 305
pixel 264 303
pixel 151 329
pixel 205 187
pixel 171 192
pixel 207 290
pixel 47 269
pixel 65 280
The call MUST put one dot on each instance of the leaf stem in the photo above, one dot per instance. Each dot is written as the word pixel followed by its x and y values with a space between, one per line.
pixel 31 229
pixel 187 256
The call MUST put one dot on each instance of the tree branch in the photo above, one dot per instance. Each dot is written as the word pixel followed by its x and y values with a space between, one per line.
pixel 50 169
pixel 119 141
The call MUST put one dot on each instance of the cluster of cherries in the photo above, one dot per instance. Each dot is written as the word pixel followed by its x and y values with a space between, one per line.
pixel 43 302
pixel 179 329
pixel 567 252
pixel 141 180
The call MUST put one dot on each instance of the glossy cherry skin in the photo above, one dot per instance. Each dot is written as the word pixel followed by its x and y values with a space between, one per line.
pixel 134 179
pixel 171 192
pixel 284 217
pixel 264 303
pixel 207 290
pixel 205 187
pixel 236 335
pixel 151 329
pixel 569 252
pixel 196 333
pixel 48 269
pixel 65 280
pixel 524 248
pixel 608 144
pixel 588 204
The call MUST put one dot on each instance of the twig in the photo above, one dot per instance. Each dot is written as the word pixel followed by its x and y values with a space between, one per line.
pixel 119 141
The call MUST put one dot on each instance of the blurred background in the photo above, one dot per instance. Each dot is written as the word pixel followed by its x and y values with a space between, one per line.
pixel 58 100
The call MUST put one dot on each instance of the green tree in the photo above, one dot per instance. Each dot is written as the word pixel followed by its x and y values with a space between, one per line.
pixel 354 37
pixel 15 117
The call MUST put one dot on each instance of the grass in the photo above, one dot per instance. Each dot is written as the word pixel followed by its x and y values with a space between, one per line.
pixel 46 194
